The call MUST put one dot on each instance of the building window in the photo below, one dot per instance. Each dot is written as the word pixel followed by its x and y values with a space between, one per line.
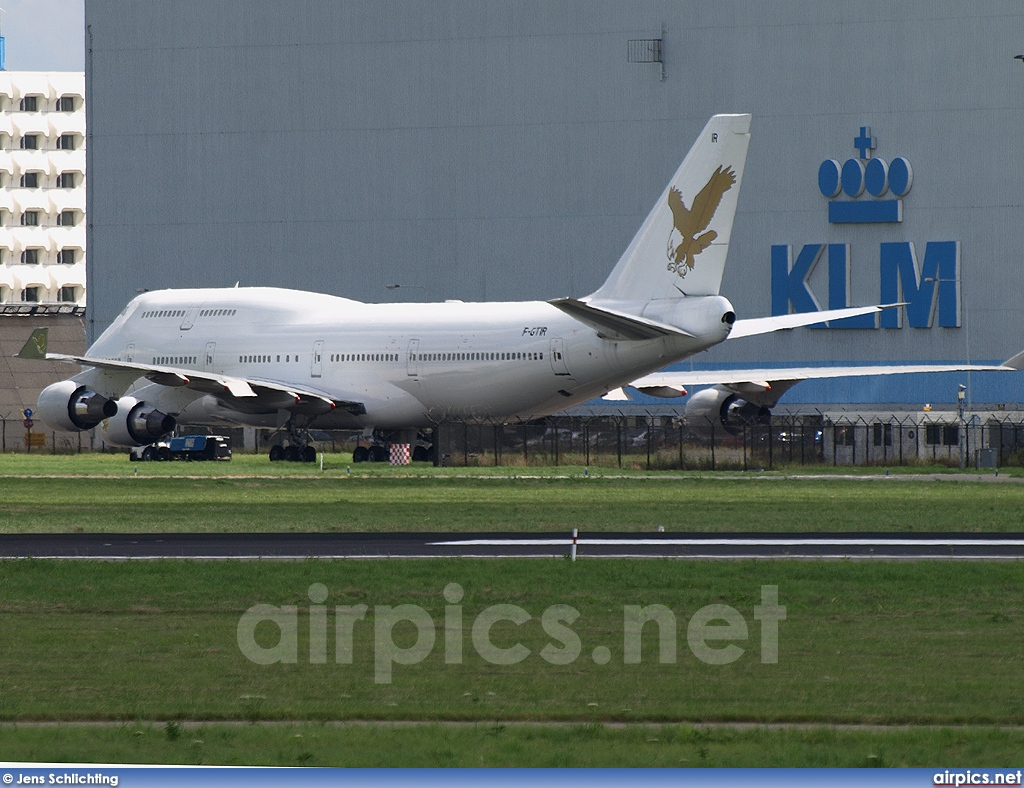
pixel 30 219
pixel 30 257
pixel 29 180
pixel 30 294
pixel 66 142
pixel 67 219
pixel 844 436
pixel 65 104
pixel 29 104
pixel 946 434
pixel 882 434
pixel 67 294
pixel 66 180
pixel 30 142
pixel 67 256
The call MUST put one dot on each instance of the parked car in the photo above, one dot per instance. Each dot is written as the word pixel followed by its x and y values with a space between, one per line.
pixel 186 447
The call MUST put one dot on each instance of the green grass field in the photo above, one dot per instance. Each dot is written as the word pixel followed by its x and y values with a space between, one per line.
pixel 863 642
pixel 101 493
pixel 112 651
pixel 503 745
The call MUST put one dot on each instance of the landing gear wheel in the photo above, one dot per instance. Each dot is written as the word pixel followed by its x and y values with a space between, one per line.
pixel 361 454
pixel 148 454
pixel 419 454
pixel 378 454
pixel 291 454
pixel 163 454
pixel 309 454
pixel 276 453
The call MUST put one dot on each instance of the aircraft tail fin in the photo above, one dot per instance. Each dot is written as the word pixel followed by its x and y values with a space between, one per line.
pixel 35 347
pixel 682 245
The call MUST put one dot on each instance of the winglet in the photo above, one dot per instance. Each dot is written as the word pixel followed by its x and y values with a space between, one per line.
pixel 1017 362
pixel 35 347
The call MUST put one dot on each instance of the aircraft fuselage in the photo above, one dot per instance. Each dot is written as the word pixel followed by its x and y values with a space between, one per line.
pixel 411 364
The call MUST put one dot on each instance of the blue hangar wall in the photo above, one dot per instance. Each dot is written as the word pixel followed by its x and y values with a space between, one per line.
pixel 497 151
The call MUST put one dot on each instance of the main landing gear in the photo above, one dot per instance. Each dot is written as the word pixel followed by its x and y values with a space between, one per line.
pixel 300 445
pixel 292 453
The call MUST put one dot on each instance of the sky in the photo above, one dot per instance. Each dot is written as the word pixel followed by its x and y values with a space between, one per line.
pixel 44 35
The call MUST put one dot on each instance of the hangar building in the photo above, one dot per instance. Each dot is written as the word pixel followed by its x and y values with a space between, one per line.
pixel 503 151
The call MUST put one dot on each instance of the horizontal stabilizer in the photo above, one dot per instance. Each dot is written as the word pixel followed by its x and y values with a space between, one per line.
pixel 766 325
pixel 612 324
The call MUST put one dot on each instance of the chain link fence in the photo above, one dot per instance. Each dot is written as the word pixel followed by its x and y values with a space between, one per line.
pixel 16 437
pixel 658 442
pixel 648 442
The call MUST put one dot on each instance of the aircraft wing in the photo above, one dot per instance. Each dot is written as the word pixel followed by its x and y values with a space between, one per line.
pixel 769 384
pixel 252 392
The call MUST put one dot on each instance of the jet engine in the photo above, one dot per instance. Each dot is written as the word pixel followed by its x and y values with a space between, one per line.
pixel 72 407
pixel 719 408
pixel 136 424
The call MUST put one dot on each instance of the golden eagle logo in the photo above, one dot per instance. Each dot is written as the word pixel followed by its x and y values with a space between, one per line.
pixel 684 243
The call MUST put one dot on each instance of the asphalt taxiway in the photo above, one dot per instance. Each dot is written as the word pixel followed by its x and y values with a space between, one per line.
pixel 295 546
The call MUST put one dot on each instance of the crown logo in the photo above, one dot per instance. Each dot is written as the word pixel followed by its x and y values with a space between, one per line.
pixel 885 183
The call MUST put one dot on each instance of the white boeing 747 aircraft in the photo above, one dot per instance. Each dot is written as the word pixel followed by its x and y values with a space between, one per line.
pixel 268 357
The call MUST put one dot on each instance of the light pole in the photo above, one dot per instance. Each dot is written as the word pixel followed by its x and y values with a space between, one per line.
pixel 958 280
pixel 963 424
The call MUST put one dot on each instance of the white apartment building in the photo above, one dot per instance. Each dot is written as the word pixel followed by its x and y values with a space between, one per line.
pixel 42 192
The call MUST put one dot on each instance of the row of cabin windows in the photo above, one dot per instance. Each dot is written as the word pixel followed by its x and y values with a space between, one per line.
pixel 36 103
pixel 343 357
pixel 64 256
pixel 64 218
pixel 34 142
pixel 176 360
pixel 64 294
pixel 181 313
pixel 518 356
pixel 265 359
pixel 33 178
pixel 364 357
